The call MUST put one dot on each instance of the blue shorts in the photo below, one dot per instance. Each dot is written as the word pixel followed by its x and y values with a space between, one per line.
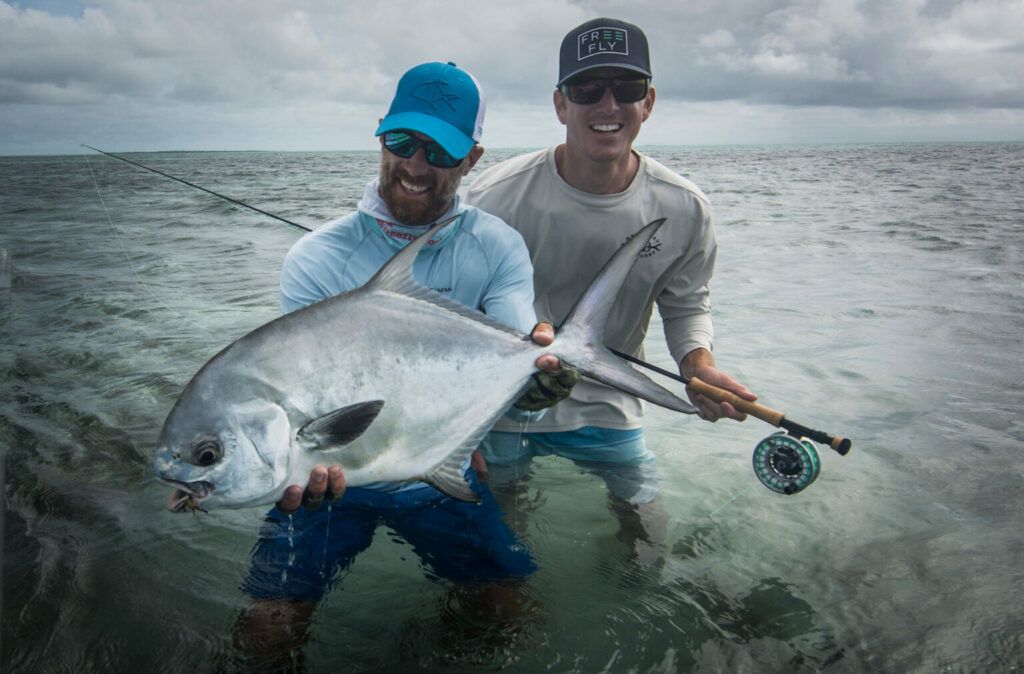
pixel 300 557
pixel 620 458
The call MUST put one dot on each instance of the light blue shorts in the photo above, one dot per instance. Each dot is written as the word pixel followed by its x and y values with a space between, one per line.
pixel 620 458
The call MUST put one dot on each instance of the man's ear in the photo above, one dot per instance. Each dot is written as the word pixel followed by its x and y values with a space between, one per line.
pixel 558 98
pixel 648 104
pixel 472 158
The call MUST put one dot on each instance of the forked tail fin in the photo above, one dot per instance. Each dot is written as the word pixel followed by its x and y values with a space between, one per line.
pixel 582 333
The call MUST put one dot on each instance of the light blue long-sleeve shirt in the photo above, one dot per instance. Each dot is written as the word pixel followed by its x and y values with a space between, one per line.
pixel 478 260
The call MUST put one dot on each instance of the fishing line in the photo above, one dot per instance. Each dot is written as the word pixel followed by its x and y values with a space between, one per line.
pixel 735 496
pixel 185 182
pixel 124 248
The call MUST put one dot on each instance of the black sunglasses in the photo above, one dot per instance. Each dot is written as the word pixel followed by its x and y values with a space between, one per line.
pixel 405 145
pixel 590 91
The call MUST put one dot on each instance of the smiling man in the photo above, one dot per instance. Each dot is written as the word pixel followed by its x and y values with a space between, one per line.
pixel 429 141
pixel 575 204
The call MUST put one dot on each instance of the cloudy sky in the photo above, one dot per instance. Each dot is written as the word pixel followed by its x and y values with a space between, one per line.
pixel 129 75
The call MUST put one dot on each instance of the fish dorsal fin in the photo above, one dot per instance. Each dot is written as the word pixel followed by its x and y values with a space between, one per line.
pixel 341 426
pixel 396 274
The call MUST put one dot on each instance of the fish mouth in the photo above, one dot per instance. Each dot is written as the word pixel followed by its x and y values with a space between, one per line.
pixel 186 494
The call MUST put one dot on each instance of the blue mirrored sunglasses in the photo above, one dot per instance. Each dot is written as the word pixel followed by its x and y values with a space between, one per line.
pixel 404 145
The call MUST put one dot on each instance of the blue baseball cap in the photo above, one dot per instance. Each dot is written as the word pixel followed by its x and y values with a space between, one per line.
pixel 442 101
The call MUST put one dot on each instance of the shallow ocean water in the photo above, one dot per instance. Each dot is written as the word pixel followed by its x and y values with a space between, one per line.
pixel 875 292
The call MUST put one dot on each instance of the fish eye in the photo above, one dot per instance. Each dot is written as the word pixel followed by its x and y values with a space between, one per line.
pixel 207 453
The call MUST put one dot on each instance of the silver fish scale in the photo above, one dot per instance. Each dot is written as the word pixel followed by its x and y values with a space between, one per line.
pixel 434 390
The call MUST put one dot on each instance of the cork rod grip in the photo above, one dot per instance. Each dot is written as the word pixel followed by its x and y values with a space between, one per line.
pixel 841 445
pixel 720 395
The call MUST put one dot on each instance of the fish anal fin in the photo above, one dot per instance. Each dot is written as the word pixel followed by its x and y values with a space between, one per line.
pixel 341 426
pixel 449 477
pixel 452 484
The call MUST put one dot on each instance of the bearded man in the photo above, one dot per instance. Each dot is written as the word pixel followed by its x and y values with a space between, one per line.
pixel 429 141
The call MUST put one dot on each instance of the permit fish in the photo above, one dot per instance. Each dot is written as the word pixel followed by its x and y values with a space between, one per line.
pixel 391 380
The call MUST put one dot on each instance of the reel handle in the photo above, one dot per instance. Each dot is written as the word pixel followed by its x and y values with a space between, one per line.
pixel 773 417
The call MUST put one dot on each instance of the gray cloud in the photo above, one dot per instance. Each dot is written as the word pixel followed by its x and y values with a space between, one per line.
pixel 866 53
pixel 201 73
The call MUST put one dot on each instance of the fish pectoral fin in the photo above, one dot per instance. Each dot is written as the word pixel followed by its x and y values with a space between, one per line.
pixel 341 426
pixel 449 479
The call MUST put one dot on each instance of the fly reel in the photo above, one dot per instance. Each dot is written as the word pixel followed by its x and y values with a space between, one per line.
pixel 786 464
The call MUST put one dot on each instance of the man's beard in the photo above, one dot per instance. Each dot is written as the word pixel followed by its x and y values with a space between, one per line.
pixel 438 200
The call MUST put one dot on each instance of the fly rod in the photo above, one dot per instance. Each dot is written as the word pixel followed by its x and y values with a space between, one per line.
pixel 773 417
pixel 779 450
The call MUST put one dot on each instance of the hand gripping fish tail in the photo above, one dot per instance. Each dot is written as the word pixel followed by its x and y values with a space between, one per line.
pixel 312 388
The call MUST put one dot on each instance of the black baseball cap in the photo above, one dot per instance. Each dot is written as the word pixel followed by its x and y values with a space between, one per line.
pixel 602 43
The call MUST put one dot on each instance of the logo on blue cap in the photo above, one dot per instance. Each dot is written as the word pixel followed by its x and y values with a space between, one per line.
pixel 434 94
pixel 439 100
